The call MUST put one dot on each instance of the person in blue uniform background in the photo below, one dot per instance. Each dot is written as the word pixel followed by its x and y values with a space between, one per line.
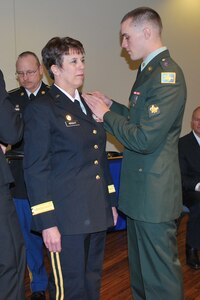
pixel 29 74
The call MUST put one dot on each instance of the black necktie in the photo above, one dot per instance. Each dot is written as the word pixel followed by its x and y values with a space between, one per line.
pixel 138 72
pixel 78 105
pixel 32 96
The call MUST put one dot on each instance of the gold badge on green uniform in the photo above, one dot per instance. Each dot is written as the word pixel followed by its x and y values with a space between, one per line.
pixel 153 110
pixel 168 77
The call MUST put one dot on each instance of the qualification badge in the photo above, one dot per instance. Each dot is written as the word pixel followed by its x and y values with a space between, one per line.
pixel 71 121
pixel 168 77
pixel 153 110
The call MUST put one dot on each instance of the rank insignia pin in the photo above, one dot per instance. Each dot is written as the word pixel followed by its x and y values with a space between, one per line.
pixel 154 110
pixel 17 107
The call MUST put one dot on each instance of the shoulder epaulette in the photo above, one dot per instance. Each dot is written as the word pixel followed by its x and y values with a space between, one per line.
pixel 165 63
pixel 14 90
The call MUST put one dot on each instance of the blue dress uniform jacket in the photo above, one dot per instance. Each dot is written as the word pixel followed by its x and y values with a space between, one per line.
pixel 20 100
pixel 12 250
pixel 34 243
pixel 150 187
pixel 65 165
pixel 11 131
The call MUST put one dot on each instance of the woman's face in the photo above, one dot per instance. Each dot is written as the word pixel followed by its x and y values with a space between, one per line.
pixel 71 75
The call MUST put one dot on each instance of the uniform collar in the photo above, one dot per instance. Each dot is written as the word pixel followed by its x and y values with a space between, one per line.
pixel 151 56
pixel 196 137
pixel 35 92
pixel 77 96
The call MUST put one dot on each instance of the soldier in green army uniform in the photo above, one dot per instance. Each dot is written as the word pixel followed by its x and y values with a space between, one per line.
pixel 29 73
pixel 150 188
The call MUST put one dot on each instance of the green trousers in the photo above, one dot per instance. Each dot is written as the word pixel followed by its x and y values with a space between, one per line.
pixel 155 269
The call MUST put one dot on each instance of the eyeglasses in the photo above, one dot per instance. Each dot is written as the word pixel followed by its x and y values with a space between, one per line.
pixel 196 120
pixel 27 73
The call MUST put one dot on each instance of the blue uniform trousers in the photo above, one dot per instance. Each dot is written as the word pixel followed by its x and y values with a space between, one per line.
pixel 12 250
pixel 34 247
pixel 77 269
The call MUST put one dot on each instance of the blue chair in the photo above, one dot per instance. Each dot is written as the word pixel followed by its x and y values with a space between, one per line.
pixel 185 211
pixel 115 160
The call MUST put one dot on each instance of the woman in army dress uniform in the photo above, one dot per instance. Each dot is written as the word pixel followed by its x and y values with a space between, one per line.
pixel 67 176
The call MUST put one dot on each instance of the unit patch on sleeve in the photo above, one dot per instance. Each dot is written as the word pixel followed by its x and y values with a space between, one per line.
pixel 168 77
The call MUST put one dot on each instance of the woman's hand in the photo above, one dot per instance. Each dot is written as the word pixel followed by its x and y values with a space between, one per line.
pixel 115 215
pixel 52 239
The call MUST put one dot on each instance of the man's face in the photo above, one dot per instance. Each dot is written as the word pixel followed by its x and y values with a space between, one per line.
pixel 133 39
pixel 29 73
pixel 195 123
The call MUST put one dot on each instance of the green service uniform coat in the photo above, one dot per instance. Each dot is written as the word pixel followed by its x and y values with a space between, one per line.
pixel 150 187
pixel 150 190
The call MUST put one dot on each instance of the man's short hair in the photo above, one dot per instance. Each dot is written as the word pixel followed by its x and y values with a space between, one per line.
pixel 144 14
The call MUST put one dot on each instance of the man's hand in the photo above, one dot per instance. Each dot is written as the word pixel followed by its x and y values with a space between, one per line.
pixel 52 239
pixel 104 98
pixel 98 103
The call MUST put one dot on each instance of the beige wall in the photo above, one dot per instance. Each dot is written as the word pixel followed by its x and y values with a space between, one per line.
pixel 28 25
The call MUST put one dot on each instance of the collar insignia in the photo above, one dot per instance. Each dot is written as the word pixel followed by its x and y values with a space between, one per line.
pixel 17 108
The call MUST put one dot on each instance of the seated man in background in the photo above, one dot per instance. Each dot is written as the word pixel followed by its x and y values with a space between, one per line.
pixel 189 156
pixel 29 73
